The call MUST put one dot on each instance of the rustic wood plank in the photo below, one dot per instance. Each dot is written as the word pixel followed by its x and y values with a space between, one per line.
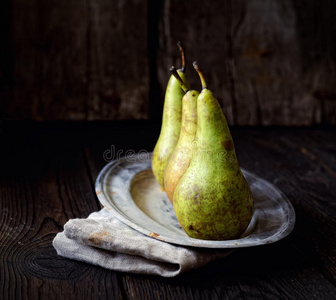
pixel 300 163
pixel 246 274
pixel 49 55
pixel 267 62
pixel 118 64
pixel 44 182
pixel 269 272
pixel 79 60
pixel 155 97
pixel 46 177
pixel 6 76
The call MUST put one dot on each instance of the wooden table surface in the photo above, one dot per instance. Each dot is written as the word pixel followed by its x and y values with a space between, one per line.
pixel 47 175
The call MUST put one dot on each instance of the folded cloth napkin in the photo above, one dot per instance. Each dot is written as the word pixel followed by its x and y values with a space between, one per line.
pixel 103 240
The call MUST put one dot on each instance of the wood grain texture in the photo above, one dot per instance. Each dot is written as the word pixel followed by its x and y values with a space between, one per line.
pixel 268 62
pixel 43 183
pixel 79 60
pixel 47 175
pixel 118 64
pixel 5 58
pixel 309 182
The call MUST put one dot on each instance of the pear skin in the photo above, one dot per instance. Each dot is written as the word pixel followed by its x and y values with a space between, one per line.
pixel 213 201
pixel 181 156
pixel 171 124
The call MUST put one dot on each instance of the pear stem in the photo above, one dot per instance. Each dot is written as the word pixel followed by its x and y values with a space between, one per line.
pixel 178 78
pixel 182 57
pixel 201 75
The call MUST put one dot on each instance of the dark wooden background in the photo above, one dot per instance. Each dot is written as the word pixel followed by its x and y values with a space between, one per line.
pixel 268 62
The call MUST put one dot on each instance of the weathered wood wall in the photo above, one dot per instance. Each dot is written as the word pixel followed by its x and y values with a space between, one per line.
pixel 268 62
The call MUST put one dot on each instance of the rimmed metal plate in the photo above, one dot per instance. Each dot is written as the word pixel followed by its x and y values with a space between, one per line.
pixel 128 189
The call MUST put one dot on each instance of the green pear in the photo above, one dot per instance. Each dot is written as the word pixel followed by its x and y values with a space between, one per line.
pixel 171 123
pixel 180 158
pixel 213 201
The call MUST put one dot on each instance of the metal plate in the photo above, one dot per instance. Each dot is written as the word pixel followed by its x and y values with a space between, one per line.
pixel 128 189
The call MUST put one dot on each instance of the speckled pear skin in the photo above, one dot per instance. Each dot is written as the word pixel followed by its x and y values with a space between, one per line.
pixel 170 128
pixel 213 201
pixel 180 158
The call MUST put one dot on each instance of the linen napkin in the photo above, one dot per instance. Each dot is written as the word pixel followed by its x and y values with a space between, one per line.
pixel 103 240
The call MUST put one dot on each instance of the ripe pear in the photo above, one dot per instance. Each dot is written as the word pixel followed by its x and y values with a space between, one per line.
pixel 213 201
pixel 171 123
pixel 180 158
